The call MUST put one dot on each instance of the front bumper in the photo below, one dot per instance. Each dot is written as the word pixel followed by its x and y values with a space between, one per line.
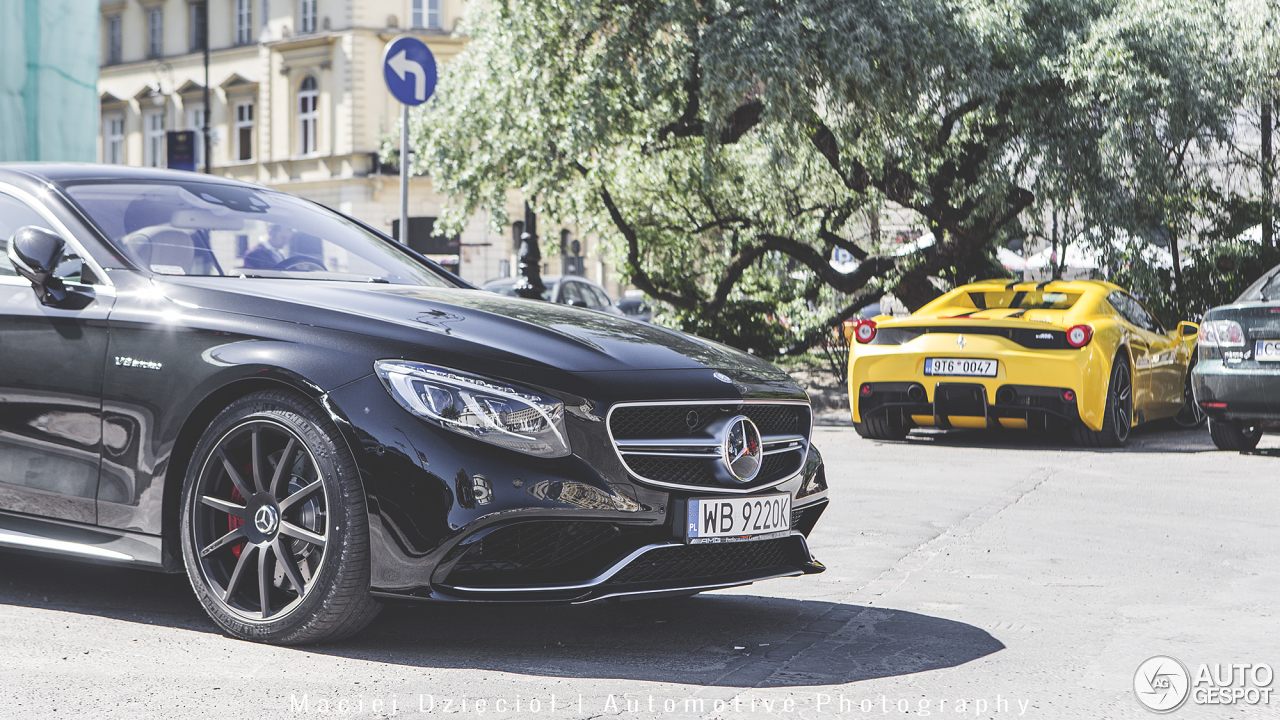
pixel 1028 388
pixel 454 519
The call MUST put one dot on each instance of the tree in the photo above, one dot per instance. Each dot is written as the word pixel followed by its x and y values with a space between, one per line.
pixel 725 149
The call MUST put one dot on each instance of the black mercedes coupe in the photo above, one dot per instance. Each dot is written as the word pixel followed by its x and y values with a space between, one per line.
pixel 206 376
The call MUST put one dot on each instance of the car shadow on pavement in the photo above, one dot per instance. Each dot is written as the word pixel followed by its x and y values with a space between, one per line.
pixel 718 639
pixel 1157 437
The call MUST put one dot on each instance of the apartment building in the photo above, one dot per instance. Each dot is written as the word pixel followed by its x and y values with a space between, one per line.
pixel 297 102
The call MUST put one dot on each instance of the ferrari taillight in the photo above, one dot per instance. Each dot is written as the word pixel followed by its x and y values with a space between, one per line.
pixel 865 331
pixel 1079 335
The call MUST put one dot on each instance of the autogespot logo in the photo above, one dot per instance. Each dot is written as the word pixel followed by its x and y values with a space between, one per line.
pixel 1162 684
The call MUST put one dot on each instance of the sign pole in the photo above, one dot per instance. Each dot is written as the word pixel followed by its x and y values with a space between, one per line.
pixel 404 175
pixel 410 71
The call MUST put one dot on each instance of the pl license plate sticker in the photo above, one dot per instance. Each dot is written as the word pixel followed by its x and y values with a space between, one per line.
pixel 733 519
pixel 960 366
pixel 1267 350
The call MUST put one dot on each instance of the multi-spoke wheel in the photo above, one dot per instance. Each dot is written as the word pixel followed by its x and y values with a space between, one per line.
pixel 1190 415
pixel 1118 413
pixel 274 531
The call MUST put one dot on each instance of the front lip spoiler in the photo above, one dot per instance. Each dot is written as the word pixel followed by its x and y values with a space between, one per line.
pixel 595 588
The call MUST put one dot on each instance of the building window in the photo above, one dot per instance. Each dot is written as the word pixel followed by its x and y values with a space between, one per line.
pixel 244 22
pixel 308 97
pixel 153 130
pixel 307 16
pixel 155 32
pixel 196 40
pixel 195 123
pixel 113 140
pixel 244 131
pixel 115 42
pixel 426 14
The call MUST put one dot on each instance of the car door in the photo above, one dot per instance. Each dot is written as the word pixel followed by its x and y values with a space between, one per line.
pixel 1166 364
pixel 1139 340
pixel 51 367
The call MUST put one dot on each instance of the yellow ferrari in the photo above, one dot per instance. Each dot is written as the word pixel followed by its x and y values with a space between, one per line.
pixel 1083 354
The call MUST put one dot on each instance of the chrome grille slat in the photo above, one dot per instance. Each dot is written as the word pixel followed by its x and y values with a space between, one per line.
pixel 668 444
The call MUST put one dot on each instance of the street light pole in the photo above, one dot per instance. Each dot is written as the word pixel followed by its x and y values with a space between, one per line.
pixel 529 285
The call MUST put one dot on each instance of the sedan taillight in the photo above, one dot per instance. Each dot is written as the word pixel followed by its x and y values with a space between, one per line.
pixel 1225 333
pixel 1079 336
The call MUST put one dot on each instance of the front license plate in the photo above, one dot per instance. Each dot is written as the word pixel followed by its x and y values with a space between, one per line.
pixel 730 519
pixel 1267 350
pixel 960 366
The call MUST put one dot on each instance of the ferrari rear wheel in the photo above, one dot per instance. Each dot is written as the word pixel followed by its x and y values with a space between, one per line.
pixel 1191 415
pixel 882 427
pixel 1235 435
pixel 274 526
pixel 1118 414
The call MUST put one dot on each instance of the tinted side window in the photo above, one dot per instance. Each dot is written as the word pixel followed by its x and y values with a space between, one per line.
pixel 601 299
pixel 14 214
pixel 1124 306
pixel 1145 318
pixel 569 294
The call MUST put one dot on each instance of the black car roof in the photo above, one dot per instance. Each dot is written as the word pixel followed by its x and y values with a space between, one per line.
pixel 59 173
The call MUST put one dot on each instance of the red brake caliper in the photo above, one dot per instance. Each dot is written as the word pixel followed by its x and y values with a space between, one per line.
pixel 234 522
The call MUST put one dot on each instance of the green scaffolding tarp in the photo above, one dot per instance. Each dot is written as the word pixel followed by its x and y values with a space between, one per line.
pixel 48 80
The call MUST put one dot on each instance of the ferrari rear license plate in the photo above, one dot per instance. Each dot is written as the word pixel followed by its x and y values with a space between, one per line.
pixel 1267 351
pixel 960 366
pixel 713 520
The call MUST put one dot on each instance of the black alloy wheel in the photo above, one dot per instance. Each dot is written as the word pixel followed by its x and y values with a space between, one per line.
pixel 274 526
pixel 1190 415
pixel 1235 435
pixel 1118 414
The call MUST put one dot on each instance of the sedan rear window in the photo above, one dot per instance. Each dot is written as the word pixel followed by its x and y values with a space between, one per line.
pixel 1265 289
pixel 213 229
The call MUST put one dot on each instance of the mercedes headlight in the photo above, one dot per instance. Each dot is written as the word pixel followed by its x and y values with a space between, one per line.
pixel 490 410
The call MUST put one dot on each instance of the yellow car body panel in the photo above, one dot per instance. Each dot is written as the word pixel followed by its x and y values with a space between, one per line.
pixel 954 326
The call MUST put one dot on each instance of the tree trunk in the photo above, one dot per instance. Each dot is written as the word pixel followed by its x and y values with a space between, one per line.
pixel 1268 178
pixel 1177 266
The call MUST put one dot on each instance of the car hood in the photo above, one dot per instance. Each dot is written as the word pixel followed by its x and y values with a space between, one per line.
pixel 474 324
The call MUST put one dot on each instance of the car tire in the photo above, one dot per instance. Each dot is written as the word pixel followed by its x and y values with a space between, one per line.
pixel 274 525
pixel 1234 435
pixel 1118 413
pixel 882 427
pixel 1190 415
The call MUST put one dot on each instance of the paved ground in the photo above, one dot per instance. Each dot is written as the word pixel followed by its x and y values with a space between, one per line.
pixel 971 574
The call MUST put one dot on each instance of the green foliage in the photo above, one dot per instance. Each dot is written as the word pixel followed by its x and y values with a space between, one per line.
pixel 724 151
pixel 1214 275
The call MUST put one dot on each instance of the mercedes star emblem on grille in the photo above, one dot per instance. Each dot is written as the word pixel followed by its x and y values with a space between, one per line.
pixel 741 449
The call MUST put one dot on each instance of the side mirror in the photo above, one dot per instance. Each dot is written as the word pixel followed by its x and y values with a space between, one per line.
pixel 578 303
pixel 1186 328
pixel 34 252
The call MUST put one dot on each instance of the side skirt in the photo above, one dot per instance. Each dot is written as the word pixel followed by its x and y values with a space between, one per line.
pixel 81 542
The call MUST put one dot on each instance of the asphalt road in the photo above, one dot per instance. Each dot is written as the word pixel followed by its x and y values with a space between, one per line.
pixel 971 574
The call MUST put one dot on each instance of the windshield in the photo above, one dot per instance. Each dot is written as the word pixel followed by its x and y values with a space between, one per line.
pixel 211 229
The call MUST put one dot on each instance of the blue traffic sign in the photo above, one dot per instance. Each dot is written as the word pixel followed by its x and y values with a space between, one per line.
pixel 409 69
